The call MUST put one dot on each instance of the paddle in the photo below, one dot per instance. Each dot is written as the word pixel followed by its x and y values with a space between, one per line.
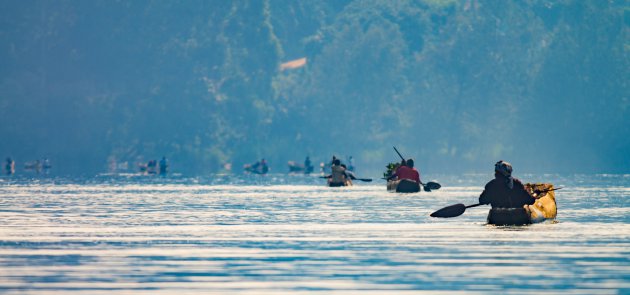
pixel 452 210
pixel 458 209
pixel 428 186
pixel 353 178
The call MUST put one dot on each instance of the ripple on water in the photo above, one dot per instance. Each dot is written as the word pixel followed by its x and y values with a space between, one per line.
pixel 138 237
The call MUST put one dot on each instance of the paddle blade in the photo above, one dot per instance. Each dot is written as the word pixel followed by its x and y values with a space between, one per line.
pixel 426 188
pixel 365 179
pixel 433 185
pixel 450 211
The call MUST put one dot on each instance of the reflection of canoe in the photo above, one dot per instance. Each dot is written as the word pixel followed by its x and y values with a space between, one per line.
pixel 544 208
pixel 403 186
pixel 348 182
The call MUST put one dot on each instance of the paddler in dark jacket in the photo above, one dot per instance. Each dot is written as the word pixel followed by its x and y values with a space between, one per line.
pixel 505 191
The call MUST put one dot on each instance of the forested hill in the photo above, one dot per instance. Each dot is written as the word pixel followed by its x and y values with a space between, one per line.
pixel 457 85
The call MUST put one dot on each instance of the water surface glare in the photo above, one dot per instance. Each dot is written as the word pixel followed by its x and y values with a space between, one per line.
pixel 267 235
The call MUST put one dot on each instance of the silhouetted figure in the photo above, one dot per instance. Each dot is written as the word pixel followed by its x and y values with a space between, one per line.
pixel 350 163
pixel 263 167
pixel 46 165
pixel 9 167
pixel 163 166
pixel 338 175
pixel 308 166
pixel 152 167
pixel 258 167
pixel 505 191
pixel 142 167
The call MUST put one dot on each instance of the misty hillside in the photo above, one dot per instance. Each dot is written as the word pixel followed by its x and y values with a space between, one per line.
pixel 458 85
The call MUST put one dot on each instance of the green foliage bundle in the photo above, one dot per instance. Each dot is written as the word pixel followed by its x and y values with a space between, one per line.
pixel 391 169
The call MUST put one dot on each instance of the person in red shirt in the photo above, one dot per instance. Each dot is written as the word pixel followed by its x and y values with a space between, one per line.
pixel 407 172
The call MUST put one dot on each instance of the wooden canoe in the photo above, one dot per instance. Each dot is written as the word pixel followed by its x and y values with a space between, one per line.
pixel 403 186
pixel 543 209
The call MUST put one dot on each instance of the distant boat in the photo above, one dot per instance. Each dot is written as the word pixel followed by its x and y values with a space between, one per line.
pixel 258 168
pixel 295 167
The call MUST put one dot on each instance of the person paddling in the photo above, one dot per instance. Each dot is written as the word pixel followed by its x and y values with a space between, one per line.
pixel 507 196
pixel 406 171
pixel 338 176
pixel 505 191
pixel 260 167
pixel 513 203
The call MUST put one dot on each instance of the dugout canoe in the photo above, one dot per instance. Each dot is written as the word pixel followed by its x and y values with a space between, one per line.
pixel 403 186
pixel 543 209
pixel 348 182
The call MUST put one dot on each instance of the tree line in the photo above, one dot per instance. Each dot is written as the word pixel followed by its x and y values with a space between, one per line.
pixel 456 84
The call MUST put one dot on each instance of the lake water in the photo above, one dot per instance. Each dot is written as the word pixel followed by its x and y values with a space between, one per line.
pixel 291 234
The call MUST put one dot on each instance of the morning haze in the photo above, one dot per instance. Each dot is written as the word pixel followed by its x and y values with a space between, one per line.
pixel 458 85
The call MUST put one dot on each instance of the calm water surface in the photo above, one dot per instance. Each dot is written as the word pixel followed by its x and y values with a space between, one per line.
pixel 291 234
